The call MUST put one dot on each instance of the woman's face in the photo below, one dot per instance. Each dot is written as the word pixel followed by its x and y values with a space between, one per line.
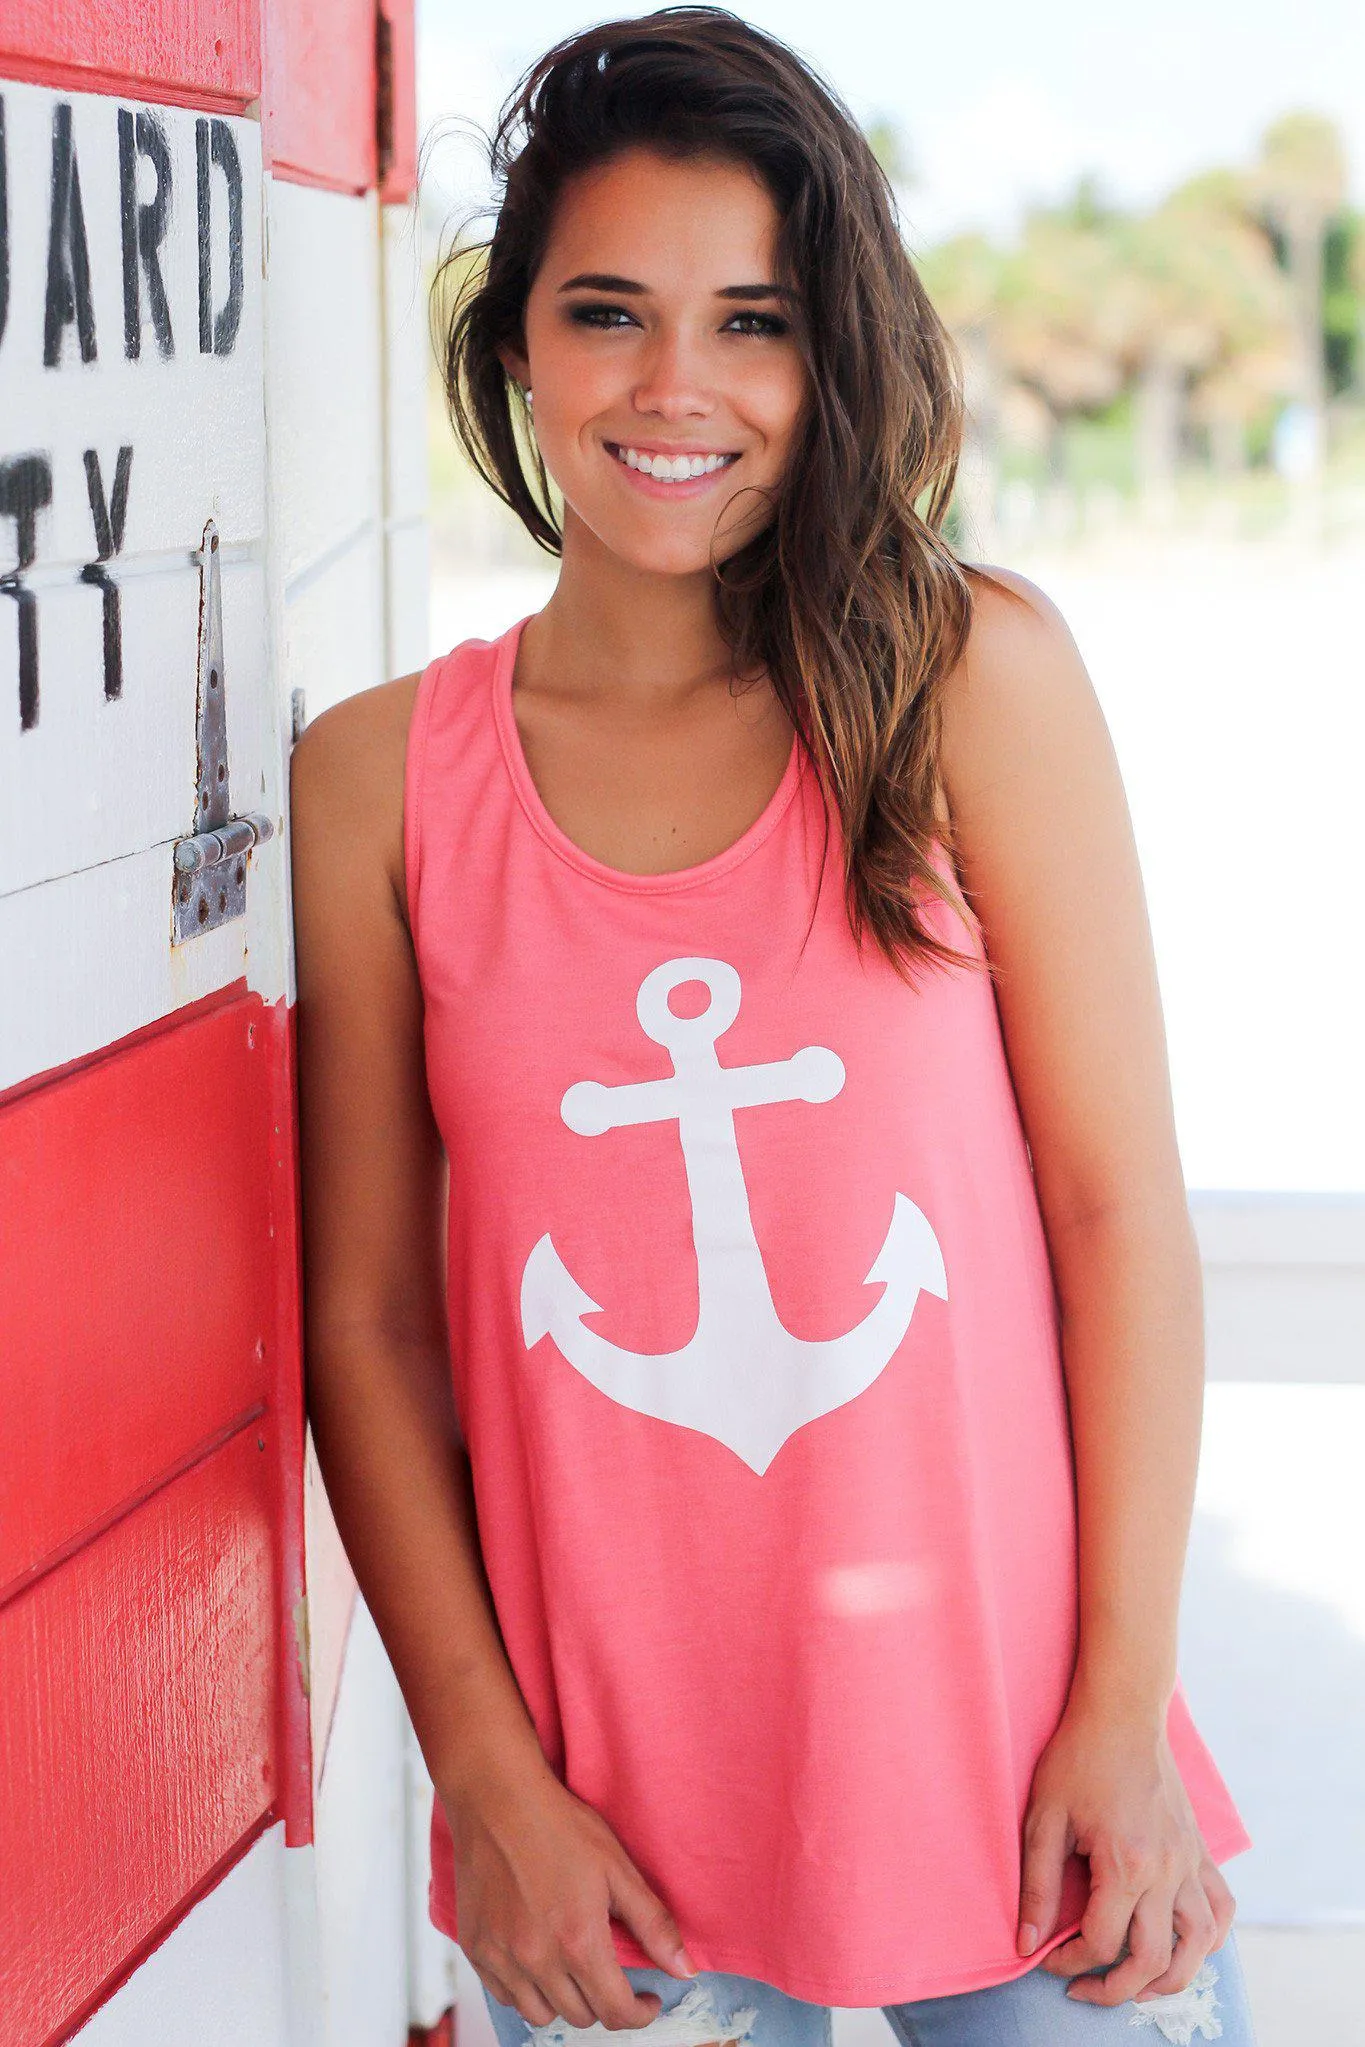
pixel 658 339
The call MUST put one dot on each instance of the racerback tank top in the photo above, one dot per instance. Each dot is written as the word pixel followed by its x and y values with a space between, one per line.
pixel 756 1357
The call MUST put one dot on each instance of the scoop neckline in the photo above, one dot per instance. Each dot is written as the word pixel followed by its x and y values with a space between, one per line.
pixel 572 854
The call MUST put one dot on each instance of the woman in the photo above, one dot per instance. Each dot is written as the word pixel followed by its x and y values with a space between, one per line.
pixel 768 1450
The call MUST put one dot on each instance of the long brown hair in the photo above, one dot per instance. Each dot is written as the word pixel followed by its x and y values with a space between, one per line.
pixel 851 598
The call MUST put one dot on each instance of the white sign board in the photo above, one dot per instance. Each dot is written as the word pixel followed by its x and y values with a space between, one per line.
pixel 131 415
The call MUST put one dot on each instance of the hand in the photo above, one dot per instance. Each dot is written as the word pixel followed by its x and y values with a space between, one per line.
pixel 1111 1791
pixel 538 1875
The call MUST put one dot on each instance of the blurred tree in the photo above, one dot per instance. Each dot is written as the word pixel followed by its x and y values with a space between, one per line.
pixel 1184 307
pixel 1343 304
pixel 1055 328
pixel 1301 183
pixel 886 139
pixel 1209 324
pixel 1031 322
pixel 963 278
pixel 887 142
pixel 1088 207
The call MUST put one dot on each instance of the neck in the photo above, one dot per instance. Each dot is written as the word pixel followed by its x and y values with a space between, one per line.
pixel 613 629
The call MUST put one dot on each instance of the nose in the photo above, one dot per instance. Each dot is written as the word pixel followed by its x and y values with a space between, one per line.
pixel 672 382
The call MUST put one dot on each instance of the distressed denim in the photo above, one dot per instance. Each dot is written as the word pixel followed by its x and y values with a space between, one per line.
pixel 1031 2011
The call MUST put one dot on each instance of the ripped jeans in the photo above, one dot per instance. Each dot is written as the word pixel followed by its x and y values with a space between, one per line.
pixel 1033 2010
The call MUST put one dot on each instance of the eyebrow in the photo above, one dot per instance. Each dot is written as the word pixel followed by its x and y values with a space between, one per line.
pixel 596 280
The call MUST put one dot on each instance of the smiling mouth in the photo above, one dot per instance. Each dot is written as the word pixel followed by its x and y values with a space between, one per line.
pixel 681 468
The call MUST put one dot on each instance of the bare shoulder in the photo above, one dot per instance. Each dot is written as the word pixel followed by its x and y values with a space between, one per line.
pixel 1012 616
pixel 1020 682
pixel 346 775
pixel 1049 862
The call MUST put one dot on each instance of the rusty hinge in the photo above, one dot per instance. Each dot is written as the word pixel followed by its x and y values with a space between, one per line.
pixel 208 885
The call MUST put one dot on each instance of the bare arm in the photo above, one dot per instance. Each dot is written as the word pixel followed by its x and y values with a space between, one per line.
pixel 538 1871
pixel 1049 861
pixel 379 1393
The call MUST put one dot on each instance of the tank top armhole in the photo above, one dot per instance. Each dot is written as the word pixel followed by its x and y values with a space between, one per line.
pixel 414 776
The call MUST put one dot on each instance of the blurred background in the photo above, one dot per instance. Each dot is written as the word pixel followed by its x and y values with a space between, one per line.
pixel 1147 233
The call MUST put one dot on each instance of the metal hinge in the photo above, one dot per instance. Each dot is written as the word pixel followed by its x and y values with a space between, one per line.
pixel 209 881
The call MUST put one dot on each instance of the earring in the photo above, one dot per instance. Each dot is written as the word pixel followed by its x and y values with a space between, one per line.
pixel 527 396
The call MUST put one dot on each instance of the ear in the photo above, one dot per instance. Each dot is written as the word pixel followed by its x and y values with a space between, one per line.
pixel 515 365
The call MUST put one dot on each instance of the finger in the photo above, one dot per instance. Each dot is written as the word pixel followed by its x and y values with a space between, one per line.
pixel 648 1918
pixel 1149 1953
pixel 1045 1849
pixel 609 1991
pixel 1196 1930
pixel 495 1986
pixel 1221 1901
pixel 1103 1929
pixel 527 1997
pixel 566 1996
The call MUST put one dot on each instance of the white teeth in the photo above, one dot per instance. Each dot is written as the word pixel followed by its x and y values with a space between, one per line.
pixel 672 468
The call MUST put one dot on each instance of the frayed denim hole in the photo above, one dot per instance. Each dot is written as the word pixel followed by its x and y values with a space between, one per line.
pixel 693 2021
pixel 1184 2014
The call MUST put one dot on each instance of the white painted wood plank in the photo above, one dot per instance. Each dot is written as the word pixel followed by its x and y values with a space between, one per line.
pixel 407 352
pixel 407 599
pixel 324 372
pixel 360 1853
pixel 97 761
pixel 433 1960
pixel 88 957
pixel 221 1977
pixel 334 625
pixel 96 779
pixel 473 2022
pixel 331 1605
pixel 194 421
pixel 407 348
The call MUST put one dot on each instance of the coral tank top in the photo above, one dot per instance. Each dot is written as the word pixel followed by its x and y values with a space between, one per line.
pixel 756 1357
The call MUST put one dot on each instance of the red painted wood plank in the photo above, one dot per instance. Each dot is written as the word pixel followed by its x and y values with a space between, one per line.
pixel 295 1795
pixel 146 1747
pixel 442 2034
pixel 149 1197
pixel 142 1305
pixel 318 100
pixel 195 52
pixel 398 127
pixel 315 72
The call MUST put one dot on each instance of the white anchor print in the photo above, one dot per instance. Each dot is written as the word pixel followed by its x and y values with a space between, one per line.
pixel 742 1378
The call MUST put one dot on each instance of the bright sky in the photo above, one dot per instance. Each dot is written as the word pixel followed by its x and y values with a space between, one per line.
pixel 1013 110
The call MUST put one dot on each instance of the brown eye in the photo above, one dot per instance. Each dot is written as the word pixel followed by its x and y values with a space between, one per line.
pixel 599 316
pixel 765 323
